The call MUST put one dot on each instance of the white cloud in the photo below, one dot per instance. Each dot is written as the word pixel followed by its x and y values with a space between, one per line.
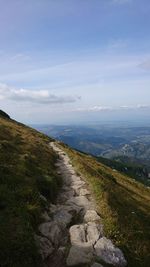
pixel 34 96
pixel 111 108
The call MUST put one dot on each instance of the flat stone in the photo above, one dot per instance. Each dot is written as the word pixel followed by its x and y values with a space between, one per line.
pixel 105 250
pixel 44 245
pixel 52 231
pixel 63 216
pixel 83 192
pixel 85 234
pixel 77 234
pixel 94 231
pixel 80 255
pixel 80 201
pixel 91 216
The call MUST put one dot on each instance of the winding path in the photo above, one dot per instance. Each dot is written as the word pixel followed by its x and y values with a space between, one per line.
pixel 72 233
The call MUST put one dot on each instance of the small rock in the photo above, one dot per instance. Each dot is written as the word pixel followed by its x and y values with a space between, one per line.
pixel 110 254
pixel 44 245
pixel 91 216
pixel 79 255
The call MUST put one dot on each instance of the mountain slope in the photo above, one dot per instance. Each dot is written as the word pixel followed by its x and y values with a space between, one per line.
pixel 123 204
pixel 27 173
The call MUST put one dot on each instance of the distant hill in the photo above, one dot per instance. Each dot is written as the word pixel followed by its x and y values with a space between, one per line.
pixel 126 149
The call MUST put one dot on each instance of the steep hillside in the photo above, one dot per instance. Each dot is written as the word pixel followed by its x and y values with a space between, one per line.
pixel 136 171
pixel 123 204
pixel 27 173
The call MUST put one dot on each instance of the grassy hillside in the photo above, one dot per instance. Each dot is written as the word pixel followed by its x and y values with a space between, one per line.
pixel 138 172
pixel 27 171
pixel 123 204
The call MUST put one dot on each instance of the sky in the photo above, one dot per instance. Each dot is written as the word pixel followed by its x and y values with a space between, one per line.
pixel 71 61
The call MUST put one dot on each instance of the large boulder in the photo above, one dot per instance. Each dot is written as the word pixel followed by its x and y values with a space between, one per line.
pixel 106 251
pixel 82 238
pixel 84 234
pixel 79 255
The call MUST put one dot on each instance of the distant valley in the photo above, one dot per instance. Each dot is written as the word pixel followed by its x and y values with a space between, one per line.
pixel 127 148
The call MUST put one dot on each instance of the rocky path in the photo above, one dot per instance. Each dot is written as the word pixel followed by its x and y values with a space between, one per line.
pixel 72 234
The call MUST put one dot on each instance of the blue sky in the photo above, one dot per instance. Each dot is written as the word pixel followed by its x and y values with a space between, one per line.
pixel 74 60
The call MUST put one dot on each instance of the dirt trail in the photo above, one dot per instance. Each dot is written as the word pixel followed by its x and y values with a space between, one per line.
pixel 72 233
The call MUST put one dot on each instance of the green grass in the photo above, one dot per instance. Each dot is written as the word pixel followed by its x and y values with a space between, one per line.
pixel 136 171
pixel 123 204
pixel 27 169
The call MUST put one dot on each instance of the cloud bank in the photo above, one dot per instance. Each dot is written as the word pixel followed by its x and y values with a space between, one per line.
pixel 34 96
pixel 109 108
